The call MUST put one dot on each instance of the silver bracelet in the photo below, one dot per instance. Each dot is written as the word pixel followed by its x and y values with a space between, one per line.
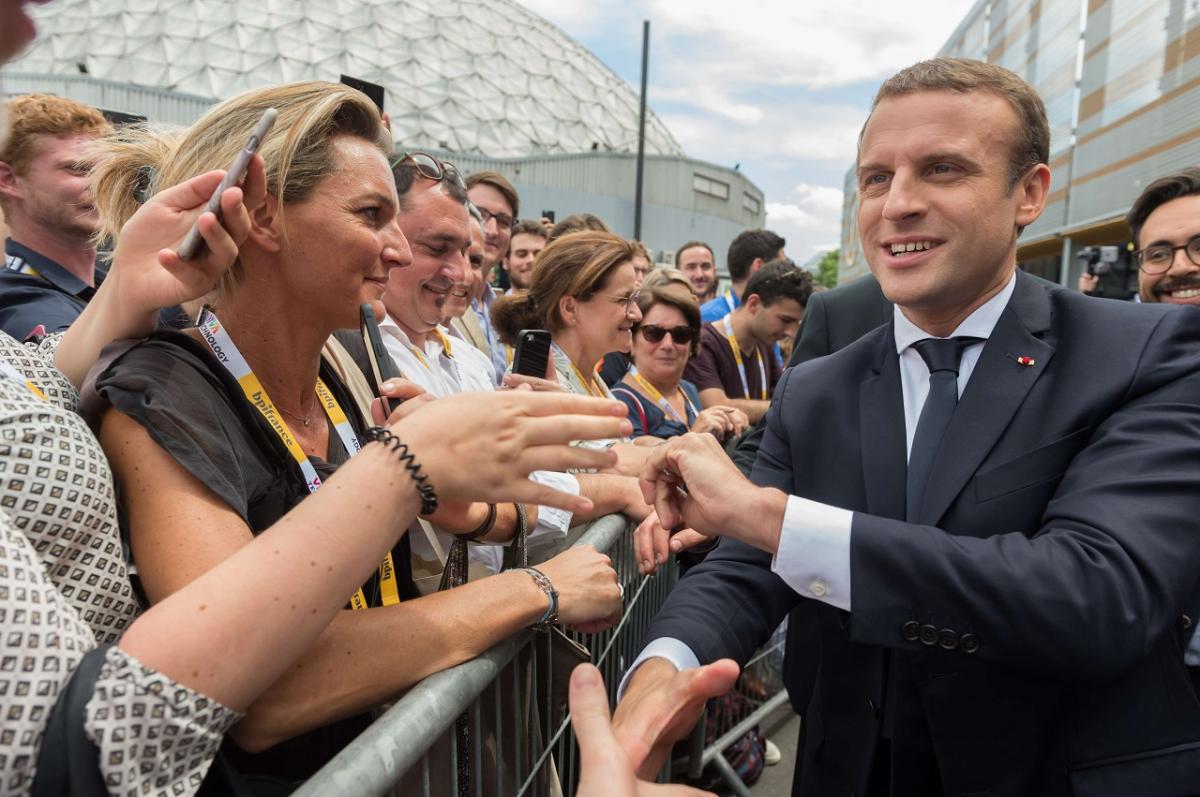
pixel 547 586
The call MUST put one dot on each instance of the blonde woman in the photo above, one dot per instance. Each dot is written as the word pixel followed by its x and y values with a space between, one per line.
pixel 225 432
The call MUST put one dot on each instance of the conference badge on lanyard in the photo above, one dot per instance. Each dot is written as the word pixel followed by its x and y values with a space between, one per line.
pixel 737 357
pixel 226 352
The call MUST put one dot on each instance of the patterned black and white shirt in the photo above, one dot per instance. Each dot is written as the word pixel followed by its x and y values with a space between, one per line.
pixel 64 587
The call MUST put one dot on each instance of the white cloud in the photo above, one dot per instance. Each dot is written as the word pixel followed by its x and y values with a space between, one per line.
pixel 809 218
pixel 821 133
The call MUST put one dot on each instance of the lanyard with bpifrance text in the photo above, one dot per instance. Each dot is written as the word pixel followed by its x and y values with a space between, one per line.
pixel 9 372
pixel 226 352
pixel 727 322
pixel 652 392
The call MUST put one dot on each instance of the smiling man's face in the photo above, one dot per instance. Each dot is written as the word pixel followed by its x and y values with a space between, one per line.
pixel 1172 224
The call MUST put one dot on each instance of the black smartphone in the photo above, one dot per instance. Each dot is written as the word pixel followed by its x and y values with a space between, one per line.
pixel 548 215
pixel 373 90
pixel 193 242
pixel 383 367
pixel 532 353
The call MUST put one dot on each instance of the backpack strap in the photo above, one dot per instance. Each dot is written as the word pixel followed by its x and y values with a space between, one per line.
pixel 641 411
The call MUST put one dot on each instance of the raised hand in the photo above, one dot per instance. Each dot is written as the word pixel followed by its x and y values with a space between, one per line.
pixel 653 543
pixel 661 706
pixel 606 771
pixel 693 484
pixel 483 446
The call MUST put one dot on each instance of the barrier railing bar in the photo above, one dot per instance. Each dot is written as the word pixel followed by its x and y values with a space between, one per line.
pixel 399 738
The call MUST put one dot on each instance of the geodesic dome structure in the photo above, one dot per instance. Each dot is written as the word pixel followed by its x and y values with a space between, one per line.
pixel 487 77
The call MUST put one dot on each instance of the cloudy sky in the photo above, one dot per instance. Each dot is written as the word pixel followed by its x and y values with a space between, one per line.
pixel 781 88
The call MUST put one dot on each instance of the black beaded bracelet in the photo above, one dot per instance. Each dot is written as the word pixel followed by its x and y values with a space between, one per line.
pixel 487 525
pixel 429 501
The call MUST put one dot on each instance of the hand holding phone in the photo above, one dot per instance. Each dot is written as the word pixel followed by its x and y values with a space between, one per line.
pixel 383 367
pixel 532 355
pixel 233 176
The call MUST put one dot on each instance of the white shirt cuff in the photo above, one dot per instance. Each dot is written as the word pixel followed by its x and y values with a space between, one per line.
pixel 553 522
pixel 814 551
pixel 667 648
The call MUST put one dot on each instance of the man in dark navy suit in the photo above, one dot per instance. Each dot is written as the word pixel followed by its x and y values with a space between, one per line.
pixel 991 500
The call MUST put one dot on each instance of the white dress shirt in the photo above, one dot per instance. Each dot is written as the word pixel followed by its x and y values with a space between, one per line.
pixel 444 373
pixel 813 556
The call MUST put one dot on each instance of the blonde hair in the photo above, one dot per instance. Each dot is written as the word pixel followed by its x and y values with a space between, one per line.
pixel 139 162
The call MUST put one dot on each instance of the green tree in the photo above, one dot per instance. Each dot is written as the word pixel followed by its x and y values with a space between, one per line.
pixel 827 269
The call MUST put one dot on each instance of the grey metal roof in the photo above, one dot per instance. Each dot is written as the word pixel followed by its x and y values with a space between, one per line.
pixel 473 76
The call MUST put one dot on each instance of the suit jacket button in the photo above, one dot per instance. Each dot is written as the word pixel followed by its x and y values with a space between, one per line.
pixel 911 631
pixel 929 635
pixel 969 643
pixel 948 639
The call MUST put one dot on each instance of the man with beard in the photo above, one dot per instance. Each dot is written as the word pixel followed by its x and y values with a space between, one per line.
pixel 1165 222
pixel 695 259
pixel 50 268
pixel 528 238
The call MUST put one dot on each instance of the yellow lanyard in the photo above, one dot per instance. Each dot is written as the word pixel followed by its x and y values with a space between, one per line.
pixel 9 372
pixel 226 352
pixel 652 392
pixel 737 357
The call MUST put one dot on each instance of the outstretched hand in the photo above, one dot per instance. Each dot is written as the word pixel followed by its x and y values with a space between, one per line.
pixel 693 484
pixel 483 446
pixel 662 705
pixel 606 770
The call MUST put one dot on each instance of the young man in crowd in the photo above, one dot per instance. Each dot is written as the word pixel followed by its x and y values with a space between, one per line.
pixel 528 238
pixel 736 364
pixel 499 203
pixel 1165 222
pixel 990 502
pixel 748 252
pixel 697 262
pixel 50 268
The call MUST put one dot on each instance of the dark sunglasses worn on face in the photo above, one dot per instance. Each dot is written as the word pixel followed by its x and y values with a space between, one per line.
pixel 431 168
pixel 1157 258
pixel 653 333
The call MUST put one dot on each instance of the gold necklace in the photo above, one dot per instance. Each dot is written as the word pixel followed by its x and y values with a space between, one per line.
pixel 307 419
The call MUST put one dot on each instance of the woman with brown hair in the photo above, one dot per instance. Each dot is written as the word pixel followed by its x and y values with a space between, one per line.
pixel 661 402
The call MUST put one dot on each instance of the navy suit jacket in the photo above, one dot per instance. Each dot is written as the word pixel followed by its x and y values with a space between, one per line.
pixel 1057 542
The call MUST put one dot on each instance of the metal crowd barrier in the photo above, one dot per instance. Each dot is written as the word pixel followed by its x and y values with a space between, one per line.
pixel 520 740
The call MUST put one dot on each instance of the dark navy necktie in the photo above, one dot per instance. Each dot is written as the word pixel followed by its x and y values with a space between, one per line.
pixel 942 356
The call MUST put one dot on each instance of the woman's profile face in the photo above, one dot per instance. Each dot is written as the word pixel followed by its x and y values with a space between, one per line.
pixel 609 315
pixel 343 239
pixel 665 360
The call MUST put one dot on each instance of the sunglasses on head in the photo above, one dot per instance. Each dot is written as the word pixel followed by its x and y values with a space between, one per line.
pixel 431 168
pixel 653 333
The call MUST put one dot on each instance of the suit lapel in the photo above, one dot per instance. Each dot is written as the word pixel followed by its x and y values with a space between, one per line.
pixel 997 388
pixel 881 432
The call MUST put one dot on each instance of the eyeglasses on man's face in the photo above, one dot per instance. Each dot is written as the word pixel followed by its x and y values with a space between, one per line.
pixel 503 220
pixel 431 168
pixel 1157 258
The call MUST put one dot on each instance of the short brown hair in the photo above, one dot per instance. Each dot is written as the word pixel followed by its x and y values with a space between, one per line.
pixel 1031 145
pixel 529 227
pixel 1185 182
pixel 691 245
pixel 500 183
pixel 578 265
pixel 578 222
pixel 33 116
pixel 678 297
